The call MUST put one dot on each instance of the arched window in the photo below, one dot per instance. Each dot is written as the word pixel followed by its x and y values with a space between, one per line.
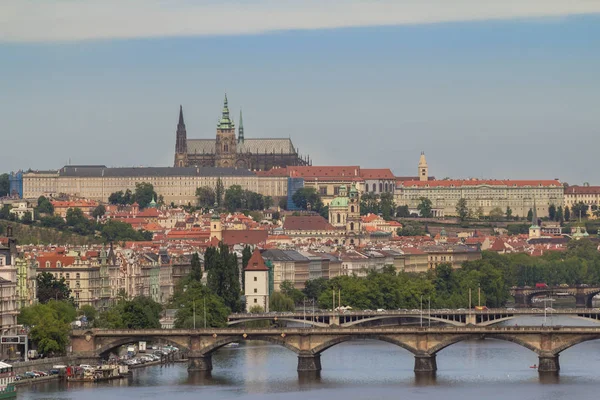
pixel 380 187
pixel 77 275
pixel 386 187
pixel 58 264
pixel 338 218
pixel 225 148
pixel 351 226
pixel 47 264
pixel 351 208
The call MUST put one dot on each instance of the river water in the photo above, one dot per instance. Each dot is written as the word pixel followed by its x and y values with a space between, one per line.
pixel 362 370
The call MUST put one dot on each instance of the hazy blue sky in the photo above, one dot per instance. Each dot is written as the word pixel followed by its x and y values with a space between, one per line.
pixel 510 92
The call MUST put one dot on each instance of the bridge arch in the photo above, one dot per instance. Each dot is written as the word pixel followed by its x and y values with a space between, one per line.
pixel 576 341
pixel 381 317
pixel 470 336
pixel 300 321
pixel 346 338
pixel 108 347
pixel 234 339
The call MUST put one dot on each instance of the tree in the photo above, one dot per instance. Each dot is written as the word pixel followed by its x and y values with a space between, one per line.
pixel 529 215
pixel 27 218
pixel 44 206
pixel 580 210
pixel 223 276
pixel 206 197
pixel 219 192
pixel 314 287
pixel 144 194
pixel 288 289
pixel 387 207
pixel 196 268
pixel 425 207
pixel 559 215
pixel 234 198
pixel 99 211
pixel 283 203
pixel 552 212
pixel 508 213
pixel 369 204
pixel 567 213
pixel 137 313
pixel 279 302
pixel 462 209
pixel 52 221
pixel 4 185
pixel 496 214
pixel 89 312
pixel 246 255
pixel 307 198
pixel 117 231
pixel 411 228
pixel 49 325
pixel 268 202
pixel 402 212
pixel 50 288
pixel 194 302
pixel 120 198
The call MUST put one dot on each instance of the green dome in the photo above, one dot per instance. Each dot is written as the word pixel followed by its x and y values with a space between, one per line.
pixel 339 202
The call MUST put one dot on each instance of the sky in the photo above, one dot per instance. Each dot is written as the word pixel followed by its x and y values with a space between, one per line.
pixel 486 89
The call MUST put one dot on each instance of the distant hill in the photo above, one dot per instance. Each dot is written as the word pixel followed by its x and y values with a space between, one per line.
pixel 26 234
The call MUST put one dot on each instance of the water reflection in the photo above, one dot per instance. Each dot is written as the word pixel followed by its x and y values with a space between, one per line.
pixel 425 378
pixel 309 378
pixel 549 377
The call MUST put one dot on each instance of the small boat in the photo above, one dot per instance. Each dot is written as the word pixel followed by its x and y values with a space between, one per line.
pixel 533 366
pixel 8 389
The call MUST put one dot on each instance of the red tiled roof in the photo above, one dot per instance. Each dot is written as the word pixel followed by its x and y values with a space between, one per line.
pixel 478 182
pixel 256 262
pixel 582 190
pixel 307 172
pixel 381 173
pixel 307 223
pixel 245 237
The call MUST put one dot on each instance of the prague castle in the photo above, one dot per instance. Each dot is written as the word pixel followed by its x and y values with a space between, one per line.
pixel 227 150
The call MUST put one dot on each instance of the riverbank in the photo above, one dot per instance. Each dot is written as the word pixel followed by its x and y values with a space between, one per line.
pixel 34 381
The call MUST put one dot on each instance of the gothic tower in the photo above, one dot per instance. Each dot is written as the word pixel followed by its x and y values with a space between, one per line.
pixel 423 169
pixel 181 143
pixel 225 146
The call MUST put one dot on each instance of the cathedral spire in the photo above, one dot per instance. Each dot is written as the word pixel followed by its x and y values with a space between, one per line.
pixel 181 142
pixel 225 122
pixel 241 129
pixel 181 123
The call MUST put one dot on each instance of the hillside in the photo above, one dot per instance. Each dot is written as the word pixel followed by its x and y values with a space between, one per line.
pixel 26 234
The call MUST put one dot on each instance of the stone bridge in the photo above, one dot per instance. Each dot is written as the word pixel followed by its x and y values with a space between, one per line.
pixel 308 344
pixel 323 319
pixel 583 294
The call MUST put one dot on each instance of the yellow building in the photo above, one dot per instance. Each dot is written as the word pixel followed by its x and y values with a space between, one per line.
pixel 175 185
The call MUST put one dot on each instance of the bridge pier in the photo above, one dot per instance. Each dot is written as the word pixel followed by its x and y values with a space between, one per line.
pixel 581 301
pixel 309 362
pixel 200 363
pixel 549 363
pixel 425 363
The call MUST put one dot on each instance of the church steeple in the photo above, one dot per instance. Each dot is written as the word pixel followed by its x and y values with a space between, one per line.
pixel 181 142
pixel 241 129
pixel 423 169
pixel 225 122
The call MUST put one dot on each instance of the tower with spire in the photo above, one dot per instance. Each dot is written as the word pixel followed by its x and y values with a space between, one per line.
pixel 181 152
pixel 423 169
pixel 225 145
pixel 535 231
pixel 241 129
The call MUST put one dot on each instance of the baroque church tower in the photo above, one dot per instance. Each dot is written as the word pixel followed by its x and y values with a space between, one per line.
pixel 353 221
pixel 181 153
pixel 225 145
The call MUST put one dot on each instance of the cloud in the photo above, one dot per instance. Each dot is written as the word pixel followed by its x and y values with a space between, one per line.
pixel 76 20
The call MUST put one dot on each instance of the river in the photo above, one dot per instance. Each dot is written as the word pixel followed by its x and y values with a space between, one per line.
pixel 362 370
